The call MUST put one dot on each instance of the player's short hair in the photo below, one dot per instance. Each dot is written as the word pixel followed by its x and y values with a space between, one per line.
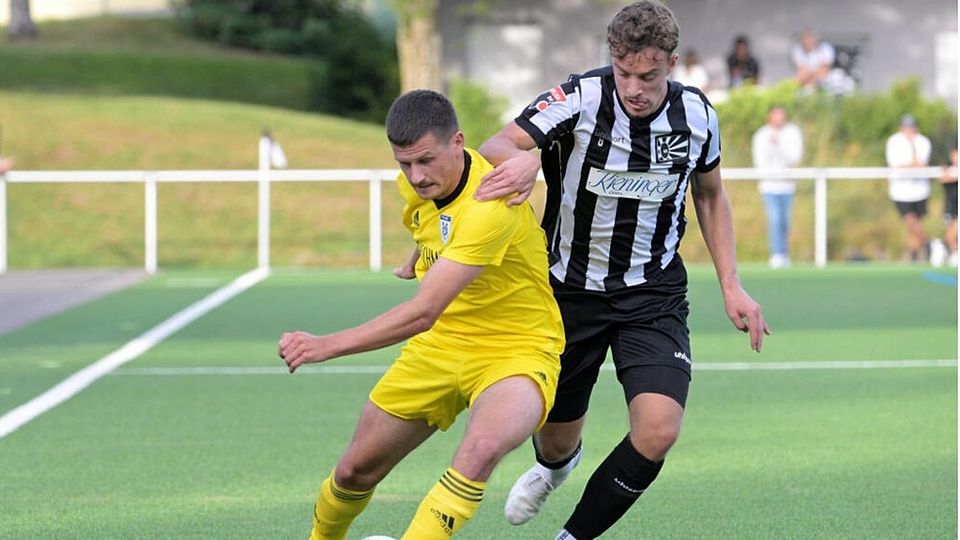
pixel 641 25
pixel 417 113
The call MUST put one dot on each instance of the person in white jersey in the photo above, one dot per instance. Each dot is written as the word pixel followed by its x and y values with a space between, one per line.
pixel 620 146
pixel 906 149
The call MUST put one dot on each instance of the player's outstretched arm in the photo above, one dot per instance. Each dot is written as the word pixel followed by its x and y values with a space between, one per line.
pixel 441 284
pixel 716 225
pixel 516 168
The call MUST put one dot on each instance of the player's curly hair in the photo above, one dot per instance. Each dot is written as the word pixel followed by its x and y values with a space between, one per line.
pixel 417 113
pixel 641 25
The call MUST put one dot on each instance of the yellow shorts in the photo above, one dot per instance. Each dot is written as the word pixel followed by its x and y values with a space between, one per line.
pixel 437 384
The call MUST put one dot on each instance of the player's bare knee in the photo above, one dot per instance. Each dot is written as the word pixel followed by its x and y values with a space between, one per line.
pixel 354 475
pixel 483 452
pixel 654 442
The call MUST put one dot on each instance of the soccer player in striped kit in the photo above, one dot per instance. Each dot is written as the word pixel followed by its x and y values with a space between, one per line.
pixel 620 146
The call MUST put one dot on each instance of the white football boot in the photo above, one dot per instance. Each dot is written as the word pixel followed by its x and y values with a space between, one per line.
pixel 530 491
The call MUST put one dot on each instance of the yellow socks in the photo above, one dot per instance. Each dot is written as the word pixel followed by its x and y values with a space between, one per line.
pixel 450 503
pixel 335 510
pixel 447 507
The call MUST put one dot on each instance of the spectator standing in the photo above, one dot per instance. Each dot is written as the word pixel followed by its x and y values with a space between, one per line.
pixel 949 181
pixel 742 67
pixel 908 148
pixel 778 144
pixel 690 72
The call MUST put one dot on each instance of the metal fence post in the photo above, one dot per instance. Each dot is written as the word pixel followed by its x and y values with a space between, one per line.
pixel 820 219
pixel 150 223
pixel 376 236
pixel 3 224
pixel 263 198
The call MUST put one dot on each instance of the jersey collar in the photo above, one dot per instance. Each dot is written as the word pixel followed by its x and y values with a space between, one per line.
pixel 460 186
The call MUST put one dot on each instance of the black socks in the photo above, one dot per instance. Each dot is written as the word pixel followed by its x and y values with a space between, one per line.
pixel 612 489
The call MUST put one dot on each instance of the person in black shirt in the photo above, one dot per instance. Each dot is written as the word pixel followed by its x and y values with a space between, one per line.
pixel 742 67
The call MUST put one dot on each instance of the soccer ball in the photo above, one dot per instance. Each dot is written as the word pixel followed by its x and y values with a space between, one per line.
pixel 378 537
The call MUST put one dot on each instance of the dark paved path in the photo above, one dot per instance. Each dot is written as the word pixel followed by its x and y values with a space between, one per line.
pixel 30 295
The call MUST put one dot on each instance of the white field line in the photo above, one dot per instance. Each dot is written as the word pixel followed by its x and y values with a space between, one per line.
pixel 701 366
pixel 73 384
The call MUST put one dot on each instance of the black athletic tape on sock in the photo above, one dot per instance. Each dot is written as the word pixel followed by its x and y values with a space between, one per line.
pixel 558 464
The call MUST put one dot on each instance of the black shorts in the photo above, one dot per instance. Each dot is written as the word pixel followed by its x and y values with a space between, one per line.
pixel 917 208
pixel 646 329
pixel 950 202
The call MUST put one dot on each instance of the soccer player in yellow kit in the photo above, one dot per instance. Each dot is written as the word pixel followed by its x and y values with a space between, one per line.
pixel 484 332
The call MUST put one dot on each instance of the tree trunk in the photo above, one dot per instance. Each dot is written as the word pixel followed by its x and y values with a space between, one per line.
pixel 21 24
pixel 418 45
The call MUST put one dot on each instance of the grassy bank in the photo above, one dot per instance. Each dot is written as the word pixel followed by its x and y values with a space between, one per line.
pixel 200 224
pixel 112 56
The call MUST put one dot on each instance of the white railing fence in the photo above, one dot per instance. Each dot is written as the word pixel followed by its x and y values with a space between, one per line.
pixel 264 176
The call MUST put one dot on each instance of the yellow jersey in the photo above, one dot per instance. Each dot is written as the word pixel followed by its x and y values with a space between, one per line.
pixel 510 304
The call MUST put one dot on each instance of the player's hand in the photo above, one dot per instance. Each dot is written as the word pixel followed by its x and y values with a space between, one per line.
pixel 405 272
pixel 515 176
pixel 746 315
pixel 298 348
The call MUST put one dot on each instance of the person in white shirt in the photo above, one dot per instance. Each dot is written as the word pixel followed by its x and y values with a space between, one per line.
pixel 908 148
pixel 690 72
pixel 778 144
pixel 812 60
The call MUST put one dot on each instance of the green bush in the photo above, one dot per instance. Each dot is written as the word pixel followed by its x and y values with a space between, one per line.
pixel 478 111
pixel 356 67
pixel 281 40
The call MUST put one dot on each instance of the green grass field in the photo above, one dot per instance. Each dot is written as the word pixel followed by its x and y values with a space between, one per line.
pixel 175 445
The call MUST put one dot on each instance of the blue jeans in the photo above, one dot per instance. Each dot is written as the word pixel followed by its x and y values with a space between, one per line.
pixel 778 208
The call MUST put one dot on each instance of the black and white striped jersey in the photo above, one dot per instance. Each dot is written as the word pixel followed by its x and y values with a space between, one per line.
pixel 616 185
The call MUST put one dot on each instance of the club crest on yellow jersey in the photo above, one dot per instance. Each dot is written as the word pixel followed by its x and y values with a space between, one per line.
pixel 446 224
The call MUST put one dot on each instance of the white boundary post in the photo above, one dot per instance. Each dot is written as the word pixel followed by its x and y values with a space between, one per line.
pixel 820 220
pixel 376 237
pixel 3 224
pixel 263 198
pixel 150 223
